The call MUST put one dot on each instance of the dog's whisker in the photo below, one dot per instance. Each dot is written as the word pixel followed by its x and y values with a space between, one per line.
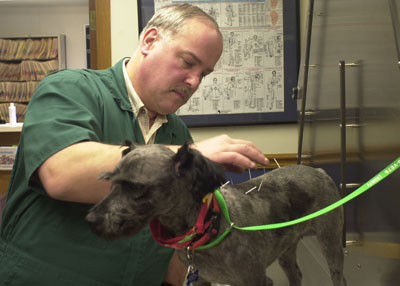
pixel 252 189
pixel 249 173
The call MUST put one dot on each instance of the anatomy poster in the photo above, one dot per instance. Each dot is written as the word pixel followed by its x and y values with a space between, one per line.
pixel 249 76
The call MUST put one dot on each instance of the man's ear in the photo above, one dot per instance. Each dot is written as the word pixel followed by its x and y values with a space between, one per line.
pixel 149 38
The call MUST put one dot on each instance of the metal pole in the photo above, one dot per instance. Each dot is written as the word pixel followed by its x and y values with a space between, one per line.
pixel 342 69
pixel 305 79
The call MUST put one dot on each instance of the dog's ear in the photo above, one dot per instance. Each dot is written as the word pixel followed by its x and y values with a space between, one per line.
pixel 183 159
pixel 203 175
pixel 130 145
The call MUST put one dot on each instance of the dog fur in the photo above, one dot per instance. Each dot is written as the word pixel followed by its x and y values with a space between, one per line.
pixel 151 182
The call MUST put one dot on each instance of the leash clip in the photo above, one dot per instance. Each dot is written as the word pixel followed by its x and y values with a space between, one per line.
pixel 192 274
pixel 189 254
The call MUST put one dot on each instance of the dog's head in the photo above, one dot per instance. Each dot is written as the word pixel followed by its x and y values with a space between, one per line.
pixel 149 181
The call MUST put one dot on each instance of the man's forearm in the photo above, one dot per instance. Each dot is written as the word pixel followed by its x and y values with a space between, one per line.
pixel 72 173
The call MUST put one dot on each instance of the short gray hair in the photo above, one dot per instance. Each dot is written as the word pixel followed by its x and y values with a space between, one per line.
pixel 170 19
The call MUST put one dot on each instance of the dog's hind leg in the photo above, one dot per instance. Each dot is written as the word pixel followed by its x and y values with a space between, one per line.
pixel 288 262
pixel 330 239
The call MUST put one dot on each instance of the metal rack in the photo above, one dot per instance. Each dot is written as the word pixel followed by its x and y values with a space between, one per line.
pixel 349 115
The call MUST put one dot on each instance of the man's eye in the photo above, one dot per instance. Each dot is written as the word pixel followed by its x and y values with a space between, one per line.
pixel 187 63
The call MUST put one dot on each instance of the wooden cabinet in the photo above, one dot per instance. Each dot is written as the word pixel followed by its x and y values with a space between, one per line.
pixel 24 61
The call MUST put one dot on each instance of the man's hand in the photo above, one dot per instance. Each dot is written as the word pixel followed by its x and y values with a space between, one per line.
pixel 235 154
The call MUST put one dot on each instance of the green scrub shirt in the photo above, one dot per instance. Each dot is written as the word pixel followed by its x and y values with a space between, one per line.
pixel 46 241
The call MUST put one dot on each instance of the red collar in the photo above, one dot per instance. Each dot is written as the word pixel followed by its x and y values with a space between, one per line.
pixel 198 235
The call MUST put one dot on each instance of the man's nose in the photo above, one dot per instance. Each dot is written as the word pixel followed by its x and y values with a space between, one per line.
pixel 193 81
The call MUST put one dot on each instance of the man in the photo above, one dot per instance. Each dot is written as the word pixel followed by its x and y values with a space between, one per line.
pixel 73 126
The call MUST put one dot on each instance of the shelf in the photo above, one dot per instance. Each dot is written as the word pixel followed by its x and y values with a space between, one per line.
pixel 7 127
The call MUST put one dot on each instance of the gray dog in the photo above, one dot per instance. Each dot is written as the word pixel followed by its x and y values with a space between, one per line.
pixel 153 185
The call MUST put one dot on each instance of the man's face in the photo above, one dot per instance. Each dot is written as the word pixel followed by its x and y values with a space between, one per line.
pixel 173 68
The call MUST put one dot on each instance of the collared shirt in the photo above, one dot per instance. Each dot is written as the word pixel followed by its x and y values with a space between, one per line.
pixel 141 112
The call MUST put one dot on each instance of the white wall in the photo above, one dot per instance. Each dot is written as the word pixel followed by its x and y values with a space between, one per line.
pixel 124 29
pixel 271 139
pixel 25 20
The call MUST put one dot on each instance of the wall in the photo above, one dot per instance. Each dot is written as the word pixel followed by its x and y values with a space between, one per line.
pixel 25 20
pixel 271 139
pixel 124 29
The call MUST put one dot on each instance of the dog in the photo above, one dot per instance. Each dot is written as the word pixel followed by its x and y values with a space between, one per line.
pixel 153 185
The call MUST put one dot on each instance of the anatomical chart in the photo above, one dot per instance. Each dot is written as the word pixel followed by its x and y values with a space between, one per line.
pixel 249 76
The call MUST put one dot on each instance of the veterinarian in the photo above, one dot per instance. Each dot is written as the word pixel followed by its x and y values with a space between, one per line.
pixel 73 126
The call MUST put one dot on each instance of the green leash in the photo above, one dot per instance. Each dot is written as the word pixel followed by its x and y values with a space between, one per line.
pixel 224 208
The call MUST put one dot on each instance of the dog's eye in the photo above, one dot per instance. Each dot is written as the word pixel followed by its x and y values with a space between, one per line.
pixel 137 191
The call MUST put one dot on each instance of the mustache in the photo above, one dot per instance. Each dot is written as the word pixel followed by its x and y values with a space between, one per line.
pixel 184 90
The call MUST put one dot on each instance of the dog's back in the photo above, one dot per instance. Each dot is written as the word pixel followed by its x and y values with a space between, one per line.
pixel 289 192
pixel 280 195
